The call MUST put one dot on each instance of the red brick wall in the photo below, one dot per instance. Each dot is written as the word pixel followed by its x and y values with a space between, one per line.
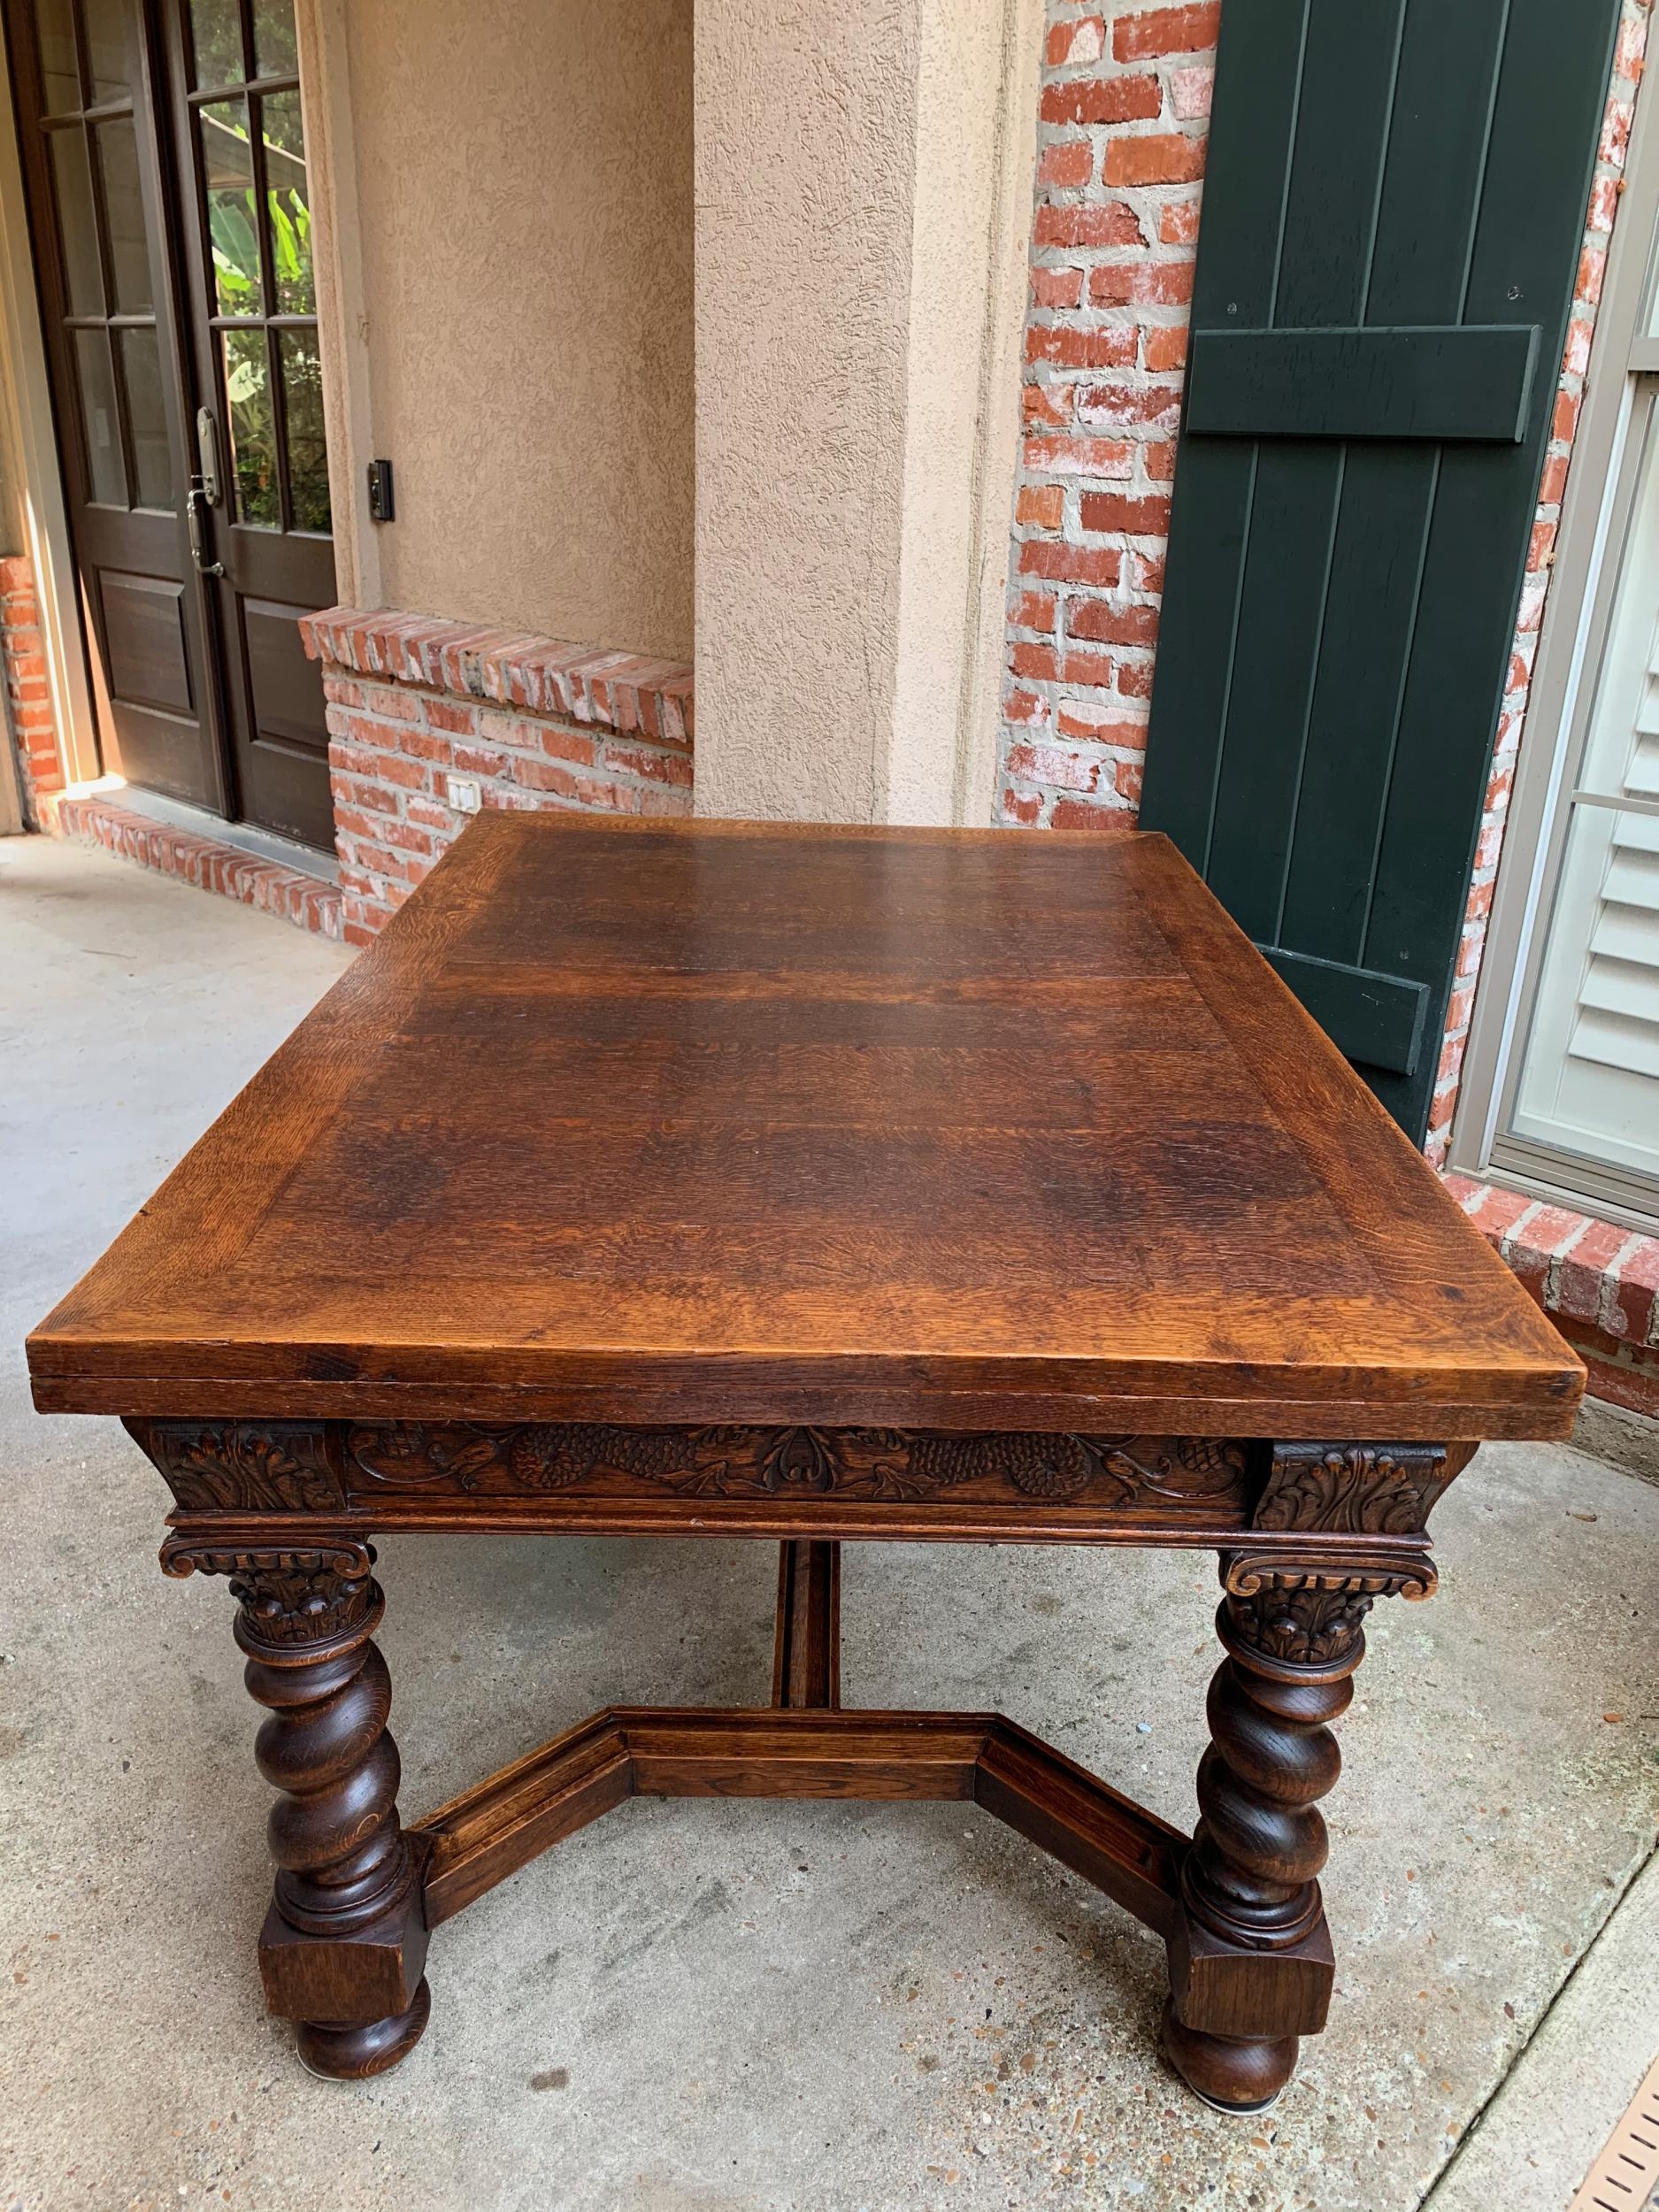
pixel 29 696
pixel 1124 115
pixel 1123 123
pixel 412 699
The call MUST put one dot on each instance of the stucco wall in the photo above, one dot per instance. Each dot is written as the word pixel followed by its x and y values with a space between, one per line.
pixel 864 181
pixel 523 176
pixel 805 168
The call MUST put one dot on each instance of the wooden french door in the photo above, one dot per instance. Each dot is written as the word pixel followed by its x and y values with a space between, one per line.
pixel 165 161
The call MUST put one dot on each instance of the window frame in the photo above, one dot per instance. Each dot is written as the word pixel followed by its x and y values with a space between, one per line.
pixel 1602 484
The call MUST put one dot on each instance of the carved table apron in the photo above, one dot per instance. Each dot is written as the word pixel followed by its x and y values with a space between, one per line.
pixel 1309 1535
pixel 811 1184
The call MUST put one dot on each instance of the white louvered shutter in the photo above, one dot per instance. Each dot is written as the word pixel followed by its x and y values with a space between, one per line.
pixel 1590 1080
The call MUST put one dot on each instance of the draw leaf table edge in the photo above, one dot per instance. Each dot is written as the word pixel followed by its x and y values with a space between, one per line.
pixel 758 973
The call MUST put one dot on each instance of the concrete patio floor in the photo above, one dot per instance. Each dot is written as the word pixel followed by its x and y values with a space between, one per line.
pixel 754 2008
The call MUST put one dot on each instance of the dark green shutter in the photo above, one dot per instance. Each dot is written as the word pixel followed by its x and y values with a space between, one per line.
pixel 1394 207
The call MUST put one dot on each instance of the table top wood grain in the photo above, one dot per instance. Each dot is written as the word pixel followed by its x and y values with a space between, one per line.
pixel 714 1121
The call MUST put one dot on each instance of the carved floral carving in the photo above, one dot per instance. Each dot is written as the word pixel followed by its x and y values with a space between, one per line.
pixel 1385 1490
pixel 738 1462
pixel 232 1467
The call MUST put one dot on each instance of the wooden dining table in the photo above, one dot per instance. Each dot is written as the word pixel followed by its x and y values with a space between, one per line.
pixel 813 1185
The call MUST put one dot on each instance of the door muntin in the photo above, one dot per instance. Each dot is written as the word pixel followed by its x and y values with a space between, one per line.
pixel 251 284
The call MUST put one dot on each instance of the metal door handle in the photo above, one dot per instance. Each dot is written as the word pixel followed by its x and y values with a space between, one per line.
pixel 195 504
pixel 207 453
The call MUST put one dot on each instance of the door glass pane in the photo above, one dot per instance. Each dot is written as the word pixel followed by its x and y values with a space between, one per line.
pixel 252 429
pixel 55 31
pixel 228 170
pixel 275 48
pixel 98 418
pixel 146 418
pixel 307 452
pixel 76 223
pixel 216 35
pixel 287 205
pixel 106 47
pixel 124 214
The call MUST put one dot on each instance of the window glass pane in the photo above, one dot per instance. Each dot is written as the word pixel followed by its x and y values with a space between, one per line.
pixel 287 205
pixel 252 429
pixel 55 31
pixel 124 213
pixel 275 48
pixel 228 170
pixel 98 418
pixel 146 418
pixel 307 452
pixel 106 47
pixel 76 225
pixel 216 34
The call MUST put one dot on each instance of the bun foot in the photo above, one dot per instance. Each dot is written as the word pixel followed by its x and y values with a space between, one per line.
pixel 345 2051
pixel 1241 2078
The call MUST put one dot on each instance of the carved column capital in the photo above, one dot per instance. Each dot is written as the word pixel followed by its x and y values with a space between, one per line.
pixel 1310 1612
pixel 1301 1620
pixel 298 1601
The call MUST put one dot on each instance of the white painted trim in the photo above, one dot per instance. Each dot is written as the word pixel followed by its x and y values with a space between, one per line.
pixel 342 316
pixel 978 722
pixel 42 519
pixel 1559 700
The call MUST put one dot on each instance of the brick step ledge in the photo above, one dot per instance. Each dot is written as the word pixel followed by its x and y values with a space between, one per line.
pixel 210 864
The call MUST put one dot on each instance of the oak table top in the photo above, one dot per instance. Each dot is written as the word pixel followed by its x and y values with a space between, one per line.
pixel 806 1184
pixel 710 1121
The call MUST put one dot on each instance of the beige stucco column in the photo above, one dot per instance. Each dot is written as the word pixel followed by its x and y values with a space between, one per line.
pixel 864 179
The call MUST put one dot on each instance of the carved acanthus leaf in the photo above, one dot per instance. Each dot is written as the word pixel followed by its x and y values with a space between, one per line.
pixel 1356 1489
pixel 236 1466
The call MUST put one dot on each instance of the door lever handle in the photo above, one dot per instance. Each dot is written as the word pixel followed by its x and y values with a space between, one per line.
pixel 207 454
pixel 195 503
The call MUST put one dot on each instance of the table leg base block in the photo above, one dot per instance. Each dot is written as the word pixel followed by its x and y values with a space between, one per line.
pixel 1217 1989
pixel 365 1979
pixel 1239 2076
pixel 352 2050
